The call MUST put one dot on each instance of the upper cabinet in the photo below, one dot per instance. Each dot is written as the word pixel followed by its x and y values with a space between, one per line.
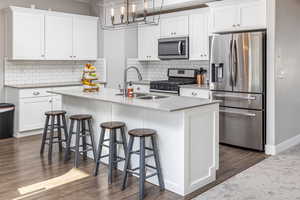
pixel 199 36
pixel 174 26
pixel 85 37
pixel 148 42
pixel 26 41
pixel 238 15
pixel 58 38
pixel 43 35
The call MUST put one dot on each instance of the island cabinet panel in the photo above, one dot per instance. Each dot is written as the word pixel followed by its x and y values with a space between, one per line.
pixel 33 34
pixel 59 40
pixel 188 139
pixel 198 93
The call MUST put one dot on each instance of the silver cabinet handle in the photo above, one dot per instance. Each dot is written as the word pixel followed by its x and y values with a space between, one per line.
pixel 237 97
pixel 239 113
pixel 36 93
pixel 194 93
pixel 179 48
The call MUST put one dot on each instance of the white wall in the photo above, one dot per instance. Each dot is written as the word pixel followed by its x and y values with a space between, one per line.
pixel 287 88
pixel 70 6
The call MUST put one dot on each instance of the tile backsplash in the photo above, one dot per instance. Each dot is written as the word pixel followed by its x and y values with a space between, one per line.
pixel 31 72
pixel 157 70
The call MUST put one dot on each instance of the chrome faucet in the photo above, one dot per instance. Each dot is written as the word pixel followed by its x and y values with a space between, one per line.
pixel 125 78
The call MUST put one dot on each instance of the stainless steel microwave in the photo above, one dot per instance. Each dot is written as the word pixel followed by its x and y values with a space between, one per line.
pixel 173 48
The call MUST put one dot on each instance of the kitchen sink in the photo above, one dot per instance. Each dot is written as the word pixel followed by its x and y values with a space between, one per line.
pixel 152 97
pixel 136 95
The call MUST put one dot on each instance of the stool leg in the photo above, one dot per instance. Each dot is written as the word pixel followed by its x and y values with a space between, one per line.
pixel 115 164
pixel 51 138
pixel 44 135
pixel 127 161
pixel 92 138
pixel 69 140
pixel 124 140
pixel 98 159
pixel 157 163
pixel 77 153
pixel 84 140
pixel 110 158
pixel 142 169
pixel 59 133
pixel 64 121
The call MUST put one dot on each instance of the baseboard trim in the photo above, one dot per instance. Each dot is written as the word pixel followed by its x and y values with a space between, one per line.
pixel 276 149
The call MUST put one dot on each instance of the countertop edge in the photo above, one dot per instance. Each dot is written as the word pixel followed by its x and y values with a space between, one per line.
pixel 45 85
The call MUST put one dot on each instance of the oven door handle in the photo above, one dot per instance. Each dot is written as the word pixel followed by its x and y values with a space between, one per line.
pixel 179 48
pixel 239 113
pixel 237 97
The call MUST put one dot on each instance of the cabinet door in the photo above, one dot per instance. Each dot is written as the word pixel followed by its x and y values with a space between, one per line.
pixel 85 38
pixel 175 26
pixel 224 18
pixel 32 111
pixel 148 42
pixel 28 36
pixel 248 19
pixel 199 39
pixel 59 37
pixel 56 102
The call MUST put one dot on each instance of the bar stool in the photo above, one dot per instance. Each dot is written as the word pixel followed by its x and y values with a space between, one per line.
pixel 142 134
pixel 113 157
pixel 81 133
pixel 50 128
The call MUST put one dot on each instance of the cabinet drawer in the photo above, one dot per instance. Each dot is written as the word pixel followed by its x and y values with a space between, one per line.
pixel 36 92
pixel 199 93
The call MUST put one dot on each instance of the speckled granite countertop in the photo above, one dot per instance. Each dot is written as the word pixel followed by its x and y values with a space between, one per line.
pixel 45 85
pixel 170 104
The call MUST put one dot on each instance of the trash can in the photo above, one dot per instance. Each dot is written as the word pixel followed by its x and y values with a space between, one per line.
pixel 6 120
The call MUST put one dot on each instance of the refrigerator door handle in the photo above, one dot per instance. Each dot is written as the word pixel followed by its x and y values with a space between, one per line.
pixel 231 62
pixel 247 114
pixel 237 97
pixel 235 63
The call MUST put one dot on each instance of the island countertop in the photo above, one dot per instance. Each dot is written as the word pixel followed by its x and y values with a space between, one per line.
pixel 170 104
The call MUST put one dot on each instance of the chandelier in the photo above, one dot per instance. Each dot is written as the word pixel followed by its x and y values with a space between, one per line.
pixel 131 13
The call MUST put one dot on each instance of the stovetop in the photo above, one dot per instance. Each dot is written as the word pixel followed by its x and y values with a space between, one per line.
pixel 169 85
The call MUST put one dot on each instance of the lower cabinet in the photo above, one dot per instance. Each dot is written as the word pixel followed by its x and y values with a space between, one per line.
pixel 198 93
pixel 31 105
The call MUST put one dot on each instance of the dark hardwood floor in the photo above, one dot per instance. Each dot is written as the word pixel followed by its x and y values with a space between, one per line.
pixel 21 165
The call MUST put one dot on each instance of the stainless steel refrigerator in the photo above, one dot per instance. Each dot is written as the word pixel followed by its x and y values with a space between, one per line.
pixel 238 70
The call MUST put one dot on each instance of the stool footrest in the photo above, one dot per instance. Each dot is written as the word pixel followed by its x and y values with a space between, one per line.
pixel 104 145
pixel 133 172
pixel 150 149
pixel 150 166
pixel 151 175
pixel 119 142
pixel 150 155
pixel 105 156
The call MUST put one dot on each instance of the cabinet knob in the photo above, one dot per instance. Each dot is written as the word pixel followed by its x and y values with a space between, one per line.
pixel 194 93
pixel 238 25
pixel 43 55
pixel 234 25
pixel 36 93
pixel 138 88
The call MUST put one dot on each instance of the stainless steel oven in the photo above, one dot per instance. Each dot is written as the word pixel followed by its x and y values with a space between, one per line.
pixel 173 48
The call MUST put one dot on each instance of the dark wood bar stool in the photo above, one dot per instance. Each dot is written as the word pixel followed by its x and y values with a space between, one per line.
pixel 58 122
pixel 142 134
pixel 113 157
pixel 81 133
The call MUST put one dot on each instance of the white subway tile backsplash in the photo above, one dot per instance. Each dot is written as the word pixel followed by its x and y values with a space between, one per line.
pixel 157 70
pixel 27 72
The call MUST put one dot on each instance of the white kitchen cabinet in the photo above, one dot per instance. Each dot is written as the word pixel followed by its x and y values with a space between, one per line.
pixel 199 36
pixel 25 36
pixel 33 34
pixel 198 93
pixel 58 37
pixel 238 16
pixel 148 43
pixel 85 46
pixel 174 26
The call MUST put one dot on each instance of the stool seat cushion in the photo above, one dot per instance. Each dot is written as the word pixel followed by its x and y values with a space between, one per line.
pixel 112 125
pixel 142 132
pixel 81 117
pixel 56 112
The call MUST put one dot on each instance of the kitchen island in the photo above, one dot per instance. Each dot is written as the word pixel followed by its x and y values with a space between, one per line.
pixel 187 128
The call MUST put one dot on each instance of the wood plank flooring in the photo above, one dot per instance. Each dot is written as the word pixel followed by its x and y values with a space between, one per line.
pixel 21 165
